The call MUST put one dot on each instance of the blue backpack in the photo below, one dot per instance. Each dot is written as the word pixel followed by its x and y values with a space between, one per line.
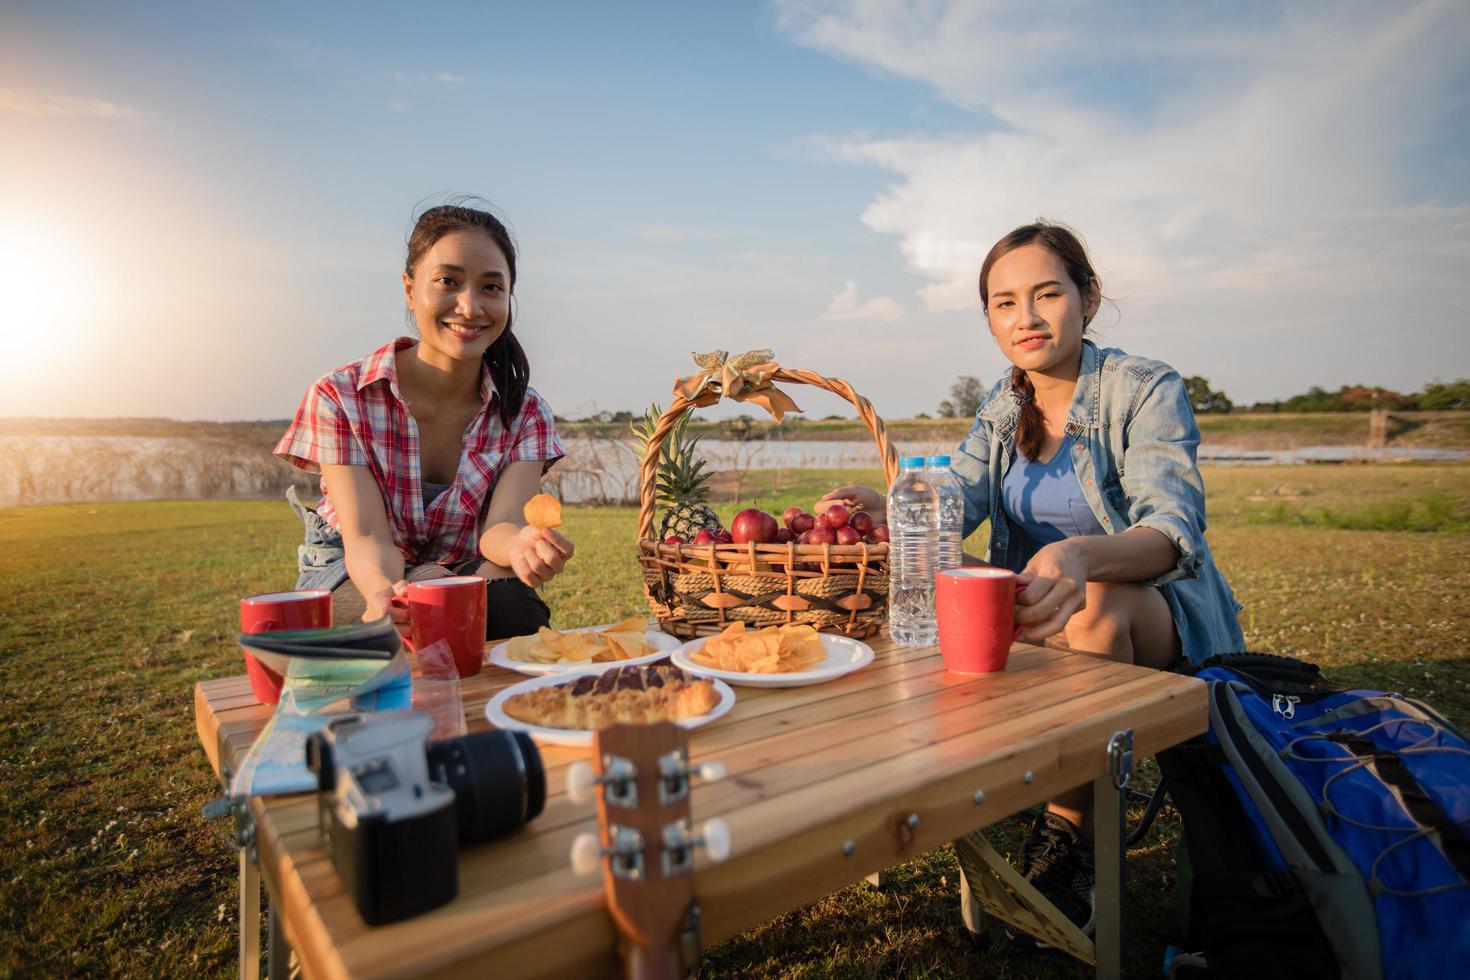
pixel 1328 831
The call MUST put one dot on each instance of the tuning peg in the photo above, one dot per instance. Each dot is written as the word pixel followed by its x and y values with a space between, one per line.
pixel 715 837
pixel 708 772
pixel 586 854
pixel 625 852
pixel 618 774
pixel 580 782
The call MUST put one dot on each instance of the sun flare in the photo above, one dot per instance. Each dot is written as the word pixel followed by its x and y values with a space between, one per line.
pixel 49 289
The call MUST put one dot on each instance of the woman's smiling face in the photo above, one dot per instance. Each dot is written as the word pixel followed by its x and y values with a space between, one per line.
pixel 1036 312
pixel 459 295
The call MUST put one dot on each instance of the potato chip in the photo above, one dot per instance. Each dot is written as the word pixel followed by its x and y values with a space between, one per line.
pixel 620 641
pixel 771 650
pixel 543 511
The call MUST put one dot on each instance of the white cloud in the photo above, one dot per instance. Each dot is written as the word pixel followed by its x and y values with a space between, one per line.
pixel 1253 180
pixel 845 306
pixel 46 104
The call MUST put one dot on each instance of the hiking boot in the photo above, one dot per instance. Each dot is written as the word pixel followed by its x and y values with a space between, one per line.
pixel 1058 862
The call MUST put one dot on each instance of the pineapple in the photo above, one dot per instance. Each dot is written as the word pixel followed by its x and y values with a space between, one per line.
pixel 682 489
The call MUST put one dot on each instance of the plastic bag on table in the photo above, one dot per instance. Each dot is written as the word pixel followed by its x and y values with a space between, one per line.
pixel 314 691
pixel 436 691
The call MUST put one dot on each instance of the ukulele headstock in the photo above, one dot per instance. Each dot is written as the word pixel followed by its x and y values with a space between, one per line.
pixel 641 778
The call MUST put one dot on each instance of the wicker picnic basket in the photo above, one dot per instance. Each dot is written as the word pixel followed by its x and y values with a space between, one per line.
pixel 696 590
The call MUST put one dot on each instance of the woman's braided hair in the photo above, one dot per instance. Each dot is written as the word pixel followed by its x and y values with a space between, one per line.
pixel 509 368
pixel 1062 242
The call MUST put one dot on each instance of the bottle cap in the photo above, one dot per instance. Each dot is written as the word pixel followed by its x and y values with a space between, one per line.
pixel 938 460
pixel 911 462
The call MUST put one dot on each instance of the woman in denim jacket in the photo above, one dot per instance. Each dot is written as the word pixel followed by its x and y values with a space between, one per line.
pixel 1083 461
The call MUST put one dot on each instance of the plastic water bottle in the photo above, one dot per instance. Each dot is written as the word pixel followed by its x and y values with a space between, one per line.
pixel 913 522
pixel 951 528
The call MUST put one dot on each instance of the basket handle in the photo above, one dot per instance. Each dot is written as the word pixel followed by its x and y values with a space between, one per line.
pixel 648 475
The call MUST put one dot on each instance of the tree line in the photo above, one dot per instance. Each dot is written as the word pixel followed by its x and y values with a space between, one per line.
pixel 966 394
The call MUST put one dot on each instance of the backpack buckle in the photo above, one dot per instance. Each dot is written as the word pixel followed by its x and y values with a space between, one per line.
pixel 1285 705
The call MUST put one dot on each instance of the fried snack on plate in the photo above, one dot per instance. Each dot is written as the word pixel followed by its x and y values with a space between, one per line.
pixel 620 641
pixel 770 650
pixel 543 511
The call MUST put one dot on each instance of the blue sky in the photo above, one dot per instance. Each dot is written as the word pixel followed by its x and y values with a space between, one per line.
pixel 205 208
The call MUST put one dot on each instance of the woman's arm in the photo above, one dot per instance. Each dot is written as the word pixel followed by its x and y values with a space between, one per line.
pixel 533 555
pixel 1160 476
pixel 374 562
pixel 1166 516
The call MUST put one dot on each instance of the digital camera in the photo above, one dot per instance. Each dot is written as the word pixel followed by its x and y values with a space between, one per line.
pixel 393 809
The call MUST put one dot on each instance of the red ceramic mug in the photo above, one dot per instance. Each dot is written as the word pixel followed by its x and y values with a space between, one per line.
pixel 450 609
pixel 975 608
pixel 272 611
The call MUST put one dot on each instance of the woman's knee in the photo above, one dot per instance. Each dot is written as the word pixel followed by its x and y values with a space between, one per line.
pixel 1126 617
pixel 1109 608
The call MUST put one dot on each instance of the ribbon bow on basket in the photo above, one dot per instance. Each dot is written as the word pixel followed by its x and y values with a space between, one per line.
pixel 745 378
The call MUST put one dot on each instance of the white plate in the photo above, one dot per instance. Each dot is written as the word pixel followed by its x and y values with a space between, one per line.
pixel 663 643
pixel 844 655
pixel 495 711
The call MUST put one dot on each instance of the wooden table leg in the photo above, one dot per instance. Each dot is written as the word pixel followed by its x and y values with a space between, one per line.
pixel 249 916
pixel 279 956
pixel 1108 828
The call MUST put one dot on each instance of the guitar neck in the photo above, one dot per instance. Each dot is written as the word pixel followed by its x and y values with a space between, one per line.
pixel 654 962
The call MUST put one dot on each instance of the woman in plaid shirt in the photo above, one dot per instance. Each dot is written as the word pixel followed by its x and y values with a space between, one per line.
pixel 428 449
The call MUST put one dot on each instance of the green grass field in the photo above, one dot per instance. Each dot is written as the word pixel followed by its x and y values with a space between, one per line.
pixel 112 612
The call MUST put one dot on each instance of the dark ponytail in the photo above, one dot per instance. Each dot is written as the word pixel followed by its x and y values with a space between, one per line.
pixel 509 369
pixel 1065 245
pixel 1031 429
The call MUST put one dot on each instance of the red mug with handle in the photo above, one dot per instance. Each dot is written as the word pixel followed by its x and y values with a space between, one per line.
pixel 450 609
pixel 299 610
pixel 975 609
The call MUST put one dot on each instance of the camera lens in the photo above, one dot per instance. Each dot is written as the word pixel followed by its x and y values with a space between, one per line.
pixel 497 778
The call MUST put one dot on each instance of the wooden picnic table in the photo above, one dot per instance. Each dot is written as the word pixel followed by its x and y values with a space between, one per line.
pixel 825 785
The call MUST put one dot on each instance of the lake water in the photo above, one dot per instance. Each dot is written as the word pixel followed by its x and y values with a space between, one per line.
pixel 59 469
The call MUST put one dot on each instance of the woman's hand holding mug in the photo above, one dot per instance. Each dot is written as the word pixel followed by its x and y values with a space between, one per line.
pixel 1056 587
pixel 381 604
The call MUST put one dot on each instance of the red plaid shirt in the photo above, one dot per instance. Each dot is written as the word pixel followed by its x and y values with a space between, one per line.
pixel 355 416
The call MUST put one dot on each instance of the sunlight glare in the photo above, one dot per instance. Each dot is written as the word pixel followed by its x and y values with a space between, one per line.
pixel 49 290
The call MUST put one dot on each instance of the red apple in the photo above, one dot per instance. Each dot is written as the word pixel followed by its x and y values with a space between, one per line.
pixel 753 525
pixel 723 536
pixel 673 539
pixel 705 536
pixel 788 514
pixel 803 522
pixel 861 522
pixel 836 516
pixel 822 534
pixel 848 535
pixel 784 535
pixel 879 534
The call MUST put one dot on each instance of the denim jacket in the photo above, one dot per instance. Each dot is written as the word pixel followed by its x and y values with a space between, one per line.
pixel 1134 454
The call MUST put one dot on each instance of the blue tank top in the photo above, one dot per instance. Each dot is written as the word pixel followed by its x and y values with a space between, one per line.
pixel 432 491
pixel 1045 499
